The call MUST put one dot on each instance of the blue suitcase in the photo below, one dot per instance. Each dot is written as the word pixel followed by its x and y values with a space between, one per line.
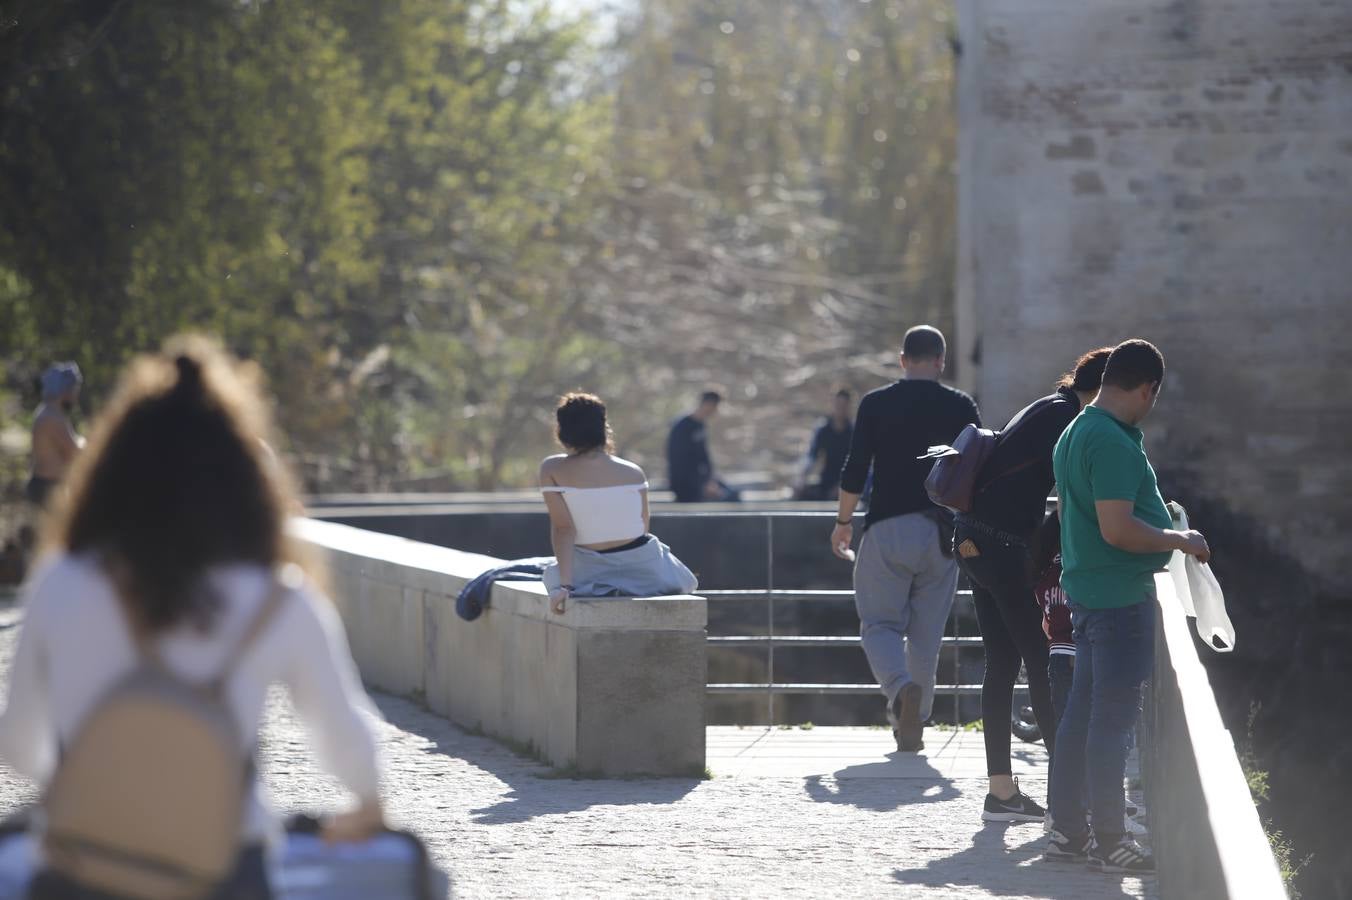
pixel 393 865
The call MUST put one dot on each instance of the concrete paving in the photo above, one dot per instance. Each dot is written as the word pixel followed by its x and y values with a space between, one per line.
pixel 859 753
pixel 826 812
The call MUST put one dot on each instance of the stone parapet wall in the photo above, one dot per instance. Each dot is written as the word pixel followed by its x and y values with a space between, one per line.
pixel 614 686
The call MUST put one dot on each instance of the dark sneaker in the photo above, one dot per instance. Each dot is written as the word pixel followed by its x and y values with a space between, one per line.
pixel 1123 857
pixel 1061 848
pixel 904 715
pixel 1019 808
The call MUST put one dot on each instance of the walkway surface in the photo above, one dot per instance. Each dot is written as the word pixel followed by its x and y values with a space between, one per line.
pixel 825 812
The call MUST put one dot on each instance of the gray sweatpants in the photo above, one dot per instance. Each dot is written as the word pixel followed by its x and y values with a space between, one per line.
pixel 903 590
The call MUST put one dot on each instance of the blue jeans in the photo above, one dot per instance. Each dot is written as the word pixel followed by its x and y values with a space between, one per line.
pixel 1114 655
pixel 1060 671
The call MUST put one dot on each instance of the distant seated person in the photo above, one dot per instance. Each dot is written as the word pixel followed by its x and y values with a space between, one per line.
pixel 598 516
pixel 690 470
pixel 826 455
pixel 55 443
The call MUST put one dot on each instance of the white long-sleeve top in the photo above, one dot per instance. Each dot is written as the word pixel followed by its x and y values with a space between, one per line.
pixel 75 644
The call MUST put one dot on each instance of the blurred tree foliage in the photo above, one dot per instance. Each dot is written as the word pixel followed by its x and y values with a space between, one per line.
pixel 425 218
pixel 787 192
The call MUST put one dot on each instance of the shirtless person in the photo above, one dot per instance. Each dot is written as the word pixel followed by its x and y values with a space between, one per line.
pixel 55 442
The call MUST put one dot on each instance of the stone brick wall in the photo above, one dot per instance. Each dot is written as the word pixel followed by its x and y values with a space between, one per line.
pixel 1179 171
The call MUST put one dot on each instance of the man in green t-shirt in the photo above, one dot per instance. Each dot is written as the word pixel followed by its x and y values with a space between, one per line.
pixel 1115 536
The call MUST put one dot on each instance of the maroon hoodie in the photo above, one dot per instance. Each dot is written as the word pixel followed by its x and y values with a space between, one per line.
pixel 1055 612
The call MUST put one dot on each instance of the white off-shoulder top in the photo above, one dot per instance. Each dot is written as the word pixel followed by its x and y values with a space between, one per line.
pixel 605 514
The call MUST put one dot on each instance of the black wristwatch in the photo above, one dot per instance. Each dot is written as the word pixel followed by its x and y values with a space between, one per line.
pixel 849 521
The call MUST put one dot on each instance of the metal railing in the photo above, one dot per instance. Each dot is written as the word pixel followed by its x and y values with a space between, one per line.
pixel 770 641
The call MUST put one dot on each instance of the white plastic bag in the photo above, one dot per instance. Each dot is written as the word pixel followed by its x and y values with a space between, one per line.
pixel 1213 622
pixel 1178 570
pixel 1200 593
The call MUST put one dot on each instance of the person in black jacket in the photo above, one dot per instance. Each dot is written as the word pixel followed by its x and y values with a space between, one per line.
pixel 905 575
pixel 828 451
pixel 992 543
pixel 690 469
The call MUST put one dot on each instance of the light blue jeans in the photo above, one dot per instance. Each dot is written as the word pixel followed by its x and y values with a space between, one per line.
pixel 903 590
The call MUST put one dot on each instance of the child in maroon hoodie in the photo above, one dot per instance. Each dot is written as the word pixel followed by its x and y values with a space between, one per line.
pixel 1055 612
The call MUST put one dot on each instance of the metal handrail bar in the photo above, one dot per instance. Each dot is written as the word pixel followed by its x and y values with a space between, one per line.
pixel 850 640
pixel 752 593
pixel 677 510
pixel 810 688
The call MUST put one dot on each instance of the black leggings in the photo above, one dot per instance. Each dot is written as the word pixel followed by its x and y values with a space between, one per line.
pixel 1011 631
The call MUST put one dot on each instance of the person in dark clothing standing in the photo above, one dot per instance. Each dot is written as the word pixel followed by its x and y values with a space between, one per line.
pixel 992 541
pixel 905 576
pixel 690 470
pixel 1116 535
pixel 826 455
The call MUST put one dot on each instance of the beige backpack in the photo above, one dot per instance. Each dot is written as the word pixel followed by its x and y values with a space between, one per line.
pixel 149 795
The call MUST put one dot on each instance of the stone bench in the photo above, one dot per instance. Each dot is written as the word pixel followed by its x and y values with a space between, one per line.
pixel 614 686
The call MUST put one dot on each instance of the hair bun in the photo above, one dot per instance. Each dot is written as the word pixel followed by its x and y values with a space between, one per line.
pixel 189 374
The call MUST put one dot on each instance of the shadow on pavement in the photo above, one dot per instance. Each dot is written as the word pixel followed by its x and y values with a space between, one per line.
pixel 879 787
pixel 1017 871
pixel 534 789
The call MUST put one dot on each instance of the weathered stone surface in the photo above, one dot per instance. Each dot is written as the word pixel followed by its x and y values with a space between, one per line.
pixel 633 713
pixel 1178 172
pixel 1222 132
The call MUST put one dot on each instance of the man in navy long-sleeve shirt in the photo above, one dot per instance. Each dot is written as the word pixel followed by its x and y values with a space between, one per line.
pixel 690 471
pixel 904 579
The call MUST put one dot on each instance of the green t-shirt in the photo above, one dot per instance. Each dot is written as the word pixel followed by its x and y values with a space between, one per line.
pixel 1100 458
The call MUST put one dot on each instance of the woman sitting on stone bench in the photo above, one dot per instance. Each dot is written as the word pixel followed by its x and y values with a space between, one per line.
pixel 598 516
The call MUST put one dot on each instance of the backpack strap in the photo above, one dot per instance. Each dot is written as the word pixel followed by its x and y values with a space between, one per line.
pixel 1026 464
pixel 1030 412
pixel 276 595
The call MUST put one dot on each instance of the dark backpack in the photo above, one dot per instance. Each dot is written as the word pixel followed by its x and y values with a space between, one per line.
pixel 952 480
pixel 957 476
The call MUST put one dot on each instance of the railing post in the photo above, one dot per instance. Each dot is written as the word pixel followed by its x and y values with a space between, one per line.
pixel 956 619
pixel 770 616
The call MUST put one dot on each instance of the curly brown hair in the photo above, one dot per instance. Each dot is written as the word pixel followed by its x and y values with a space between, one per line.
pixel 178 478
pixel 581 423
